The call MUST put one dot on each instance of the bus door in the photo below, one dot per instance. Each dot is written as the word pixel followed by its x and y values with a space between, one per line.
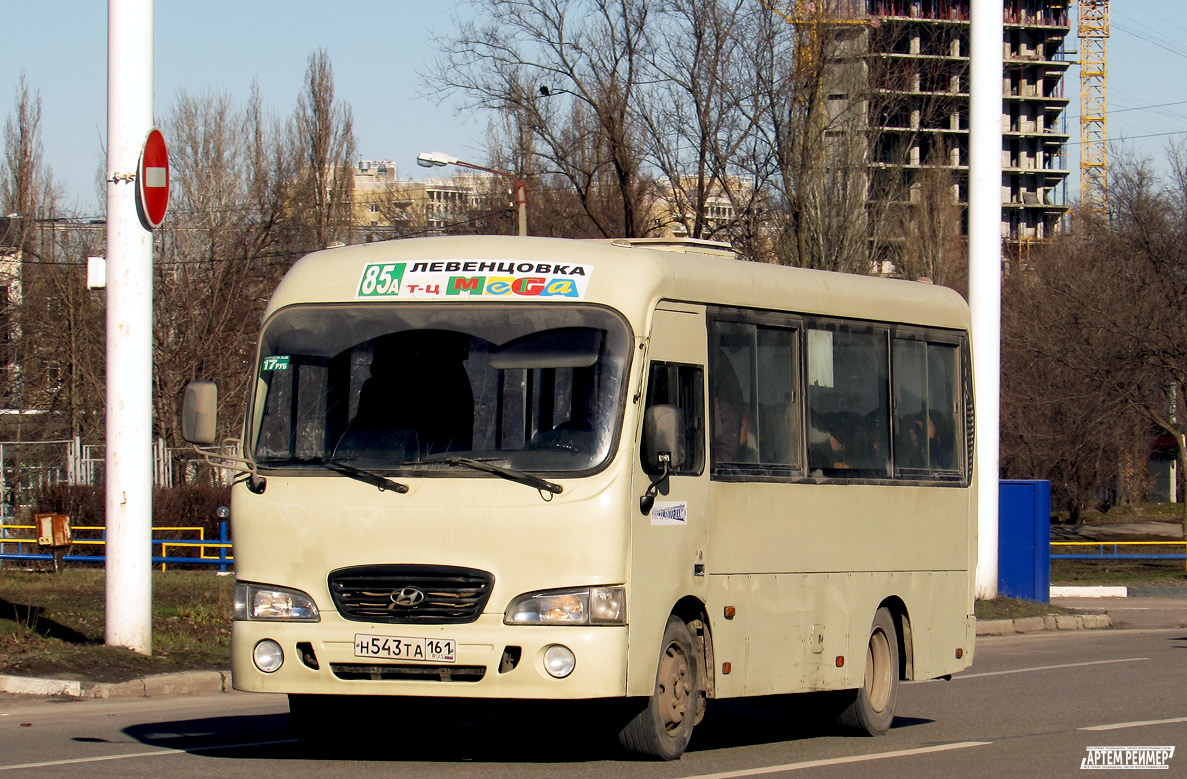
pixel 669 534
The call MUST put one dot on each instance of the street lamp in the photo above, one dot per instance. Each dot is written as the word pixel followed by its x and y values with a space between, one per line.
pixel 436 159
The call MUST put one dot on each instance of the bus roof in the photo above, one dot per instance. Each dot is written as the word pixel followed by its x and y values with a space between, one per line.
pixel 629 275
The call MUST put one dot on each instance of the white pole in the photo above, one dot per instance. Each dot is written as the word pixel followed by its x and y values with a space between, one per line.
pixel 4 499
pixel 129 331
pixel 985 268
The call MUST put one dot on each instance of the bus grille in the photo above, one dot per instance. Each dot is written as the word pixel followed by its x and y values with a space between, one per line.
pixel 410 594
pixel 416 673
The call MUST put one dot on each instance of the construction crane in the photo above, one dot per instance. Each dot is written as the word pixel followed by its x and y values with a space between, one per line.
pixel 808 16
pixel 1094 150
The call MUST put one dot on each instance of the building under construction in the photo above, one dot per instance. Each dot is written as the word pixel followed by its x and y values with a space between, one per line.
pixel 914 61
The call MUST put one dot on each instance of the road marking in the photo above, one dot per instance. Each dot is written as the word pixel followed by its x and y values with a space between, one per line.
pixel 1047 668
pixel 774 769
pixel 1123 725
pixel 76 761
pixel 154 753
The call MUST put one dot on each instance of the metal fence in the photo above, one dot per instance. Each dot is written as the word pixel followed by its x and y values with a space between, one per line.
pixel 29 465
pixel 18 542
pixel 1112 550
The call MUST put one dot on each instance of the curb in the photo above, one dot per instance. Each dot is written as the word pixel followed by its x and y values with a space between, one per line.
pixel 1008 627
pixel 159 685
pixel 1099 591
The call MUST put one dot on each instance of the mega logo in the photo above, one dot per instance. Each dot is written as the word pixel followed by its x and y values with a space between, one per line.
pixel 472 278
pixel 498 286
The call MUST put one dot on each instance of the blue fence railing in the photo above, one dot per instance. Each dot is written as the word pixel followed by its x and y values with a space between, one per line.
pixel 1113 550
pixel 209 551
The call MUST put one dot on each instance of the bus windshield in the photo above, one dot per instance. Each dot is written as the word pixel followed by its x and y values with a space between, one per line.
pixel 414 387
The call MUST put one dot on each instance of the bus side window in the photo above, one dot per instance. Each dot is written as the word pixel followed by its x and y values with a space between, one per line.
pixel 925 402
pixel 753 382
pixel 681 386
pixel 942 381
pixel 848 401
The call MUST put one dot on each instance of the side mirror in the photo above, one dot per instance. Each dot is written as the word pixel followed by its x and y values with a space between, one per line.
pixel 663 427
pixel 663 449
pixel 199 413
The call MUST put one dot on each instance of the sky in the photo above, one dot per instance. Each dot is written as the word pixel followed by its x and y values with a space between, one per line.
pixel 1147 83
pixel 222 46
pixel 377 49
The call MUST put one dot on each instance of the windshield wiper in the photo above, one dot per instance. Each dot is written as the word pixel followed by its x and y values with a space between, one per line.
pixel 506 473
pixel 382 482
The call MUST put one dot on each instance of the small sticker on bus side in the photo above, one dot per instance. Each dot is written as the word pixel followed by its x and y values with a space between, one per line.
pixel 671 512
pixel 469 279
pixel 277 362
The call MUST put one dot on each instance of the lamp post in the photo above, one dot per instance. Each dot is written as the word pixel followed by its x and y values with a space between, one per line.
pixel 438 159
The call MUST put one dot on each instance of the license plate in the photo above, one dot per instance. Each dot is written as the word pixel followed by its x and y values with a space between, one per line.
pixel 437 650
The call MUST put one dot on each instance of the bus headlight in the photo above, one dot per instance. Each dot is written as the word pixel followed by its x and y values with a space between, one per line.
pixel 264 602
pixel 268 656
pixel 574 606
pixel 559 661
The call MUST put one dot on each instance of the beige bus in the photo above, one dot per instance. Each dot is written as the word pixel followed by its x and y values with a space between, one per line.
pixel 540 469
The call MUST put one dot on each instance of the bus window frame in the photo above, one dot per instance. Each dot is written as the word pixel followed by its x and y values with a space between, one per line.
pixel 700 430
pixel 777 320
pixel 960 416
pixel 960 477
pixel 257 393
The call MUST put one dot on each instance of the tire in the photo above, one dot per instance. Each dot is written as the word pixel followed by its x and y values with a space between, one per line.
pixel 870 708
pixel 663 727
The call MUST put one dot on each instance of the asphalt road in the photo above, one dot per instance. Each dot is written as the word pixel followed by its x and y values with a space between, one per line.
pixel 1030 706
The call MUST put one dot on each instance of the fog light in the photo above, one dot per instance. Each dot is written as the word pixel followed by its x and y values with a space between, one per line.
pixel 559 661
pixel 268 656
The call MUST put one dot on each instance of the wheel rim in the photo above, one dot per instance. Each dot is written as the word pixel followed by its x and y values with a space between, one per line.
pixel 674 688
pixel 879 674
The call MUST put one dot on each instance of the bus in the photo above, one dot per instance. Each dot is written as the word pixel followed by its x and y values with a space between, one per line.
pixel 641 472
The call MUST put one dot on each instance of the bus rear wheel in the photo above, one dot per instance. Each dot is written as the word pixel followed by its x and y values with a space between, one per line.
pixel 870 708
pixel 663 727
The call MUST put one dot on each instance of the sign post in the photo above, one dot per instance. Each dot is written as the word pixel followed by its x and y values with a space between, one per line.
pixel 985 271
pixel 129 464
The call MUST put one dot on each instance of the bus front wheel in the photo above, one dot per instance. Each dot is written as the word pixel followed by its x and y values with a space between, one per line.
pixel 870 708
pixel 663 727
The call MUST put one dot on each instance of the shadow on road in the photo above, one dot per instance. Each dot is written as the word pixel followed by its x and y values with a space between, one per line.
pixel 403 730
pixel 774 719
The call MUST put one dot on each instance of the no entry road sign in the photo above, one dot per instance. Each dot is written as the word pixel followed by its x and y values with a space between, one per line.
pixel 152 180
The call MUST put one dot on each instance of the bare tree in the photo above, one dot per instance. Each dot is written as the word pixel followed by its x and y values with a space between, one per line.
pixel 323 133
pixel 570 70
pixel 271 170
pixel 1139 261
pixel 230 235
pixel 62 360
pixel 26 188
pixel 28 236
pixel 807 108
pixel 1059 421
pixel 932 244
pixel 1099 338
pixel 692 116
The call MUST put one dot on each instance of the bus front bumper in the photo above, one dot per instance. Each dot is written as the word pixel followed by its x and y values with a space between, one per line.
pixel 485 659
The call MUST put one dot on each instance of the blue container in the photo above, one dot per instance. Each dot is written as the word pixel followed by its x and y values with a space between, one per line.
pixel 1024 540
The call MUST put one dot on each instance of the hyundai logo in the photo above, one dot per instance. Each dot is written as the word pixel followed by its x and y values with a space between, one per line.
pixel 409 597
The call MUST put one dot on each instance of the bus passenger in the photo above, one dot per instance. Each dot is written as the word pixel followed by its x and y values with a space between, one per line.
pixel 731 417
